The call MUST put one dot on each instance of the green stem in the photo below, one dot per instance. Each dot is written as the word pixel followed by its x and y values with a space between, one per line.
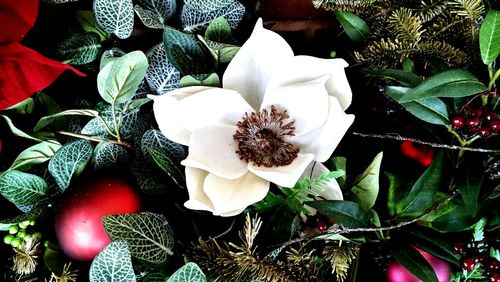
pixel 107 127
pixel 95 139
pixel 115 122
pixel 493 79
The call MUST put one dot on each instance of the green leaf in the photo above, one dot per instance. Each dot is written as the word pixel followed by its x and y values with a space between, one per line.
pixel 35 154
pixel 406 78
pixel 54 259
pixel 113 263
pixel 354 26
pixel 345 213
pixel 469 183
pixel 432 242
pixel 155 277
pixel 45 121
pixel 149 181
pixel 197 15
pixel 165 161
pixel 339 164
pixel 212 80
pixel 396 192
pixel 489 37
pixel 366 186
pixel 154 138
pixel 190 272
pixel 18 132
pixel 88 23
pixel 100 125
pixel 70 160
pixel 155 13
pixel 24 107
pixel 80 48
pixel 161 75
pixel 432 110
pixel 110 55
pixel 424 189
pixel 148 235
pixel 408 65
pixel 455 220
pixel 412 260
pixel 185 54
pixel 219 30
pixel 108 155
pixel 22 189
pixel 119 79
pixel 479 229
pixel 451 83
pixel 115 16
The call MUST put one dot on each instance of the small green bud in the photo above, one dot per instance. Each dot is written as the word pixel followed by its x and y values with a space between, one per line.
pixel 46 243
pixel 333 54
pixel 16 242
pixel 32 222
pixel 8 239
pixel 13 229
pixel 23 224
pixel 22 234
pixel 37 235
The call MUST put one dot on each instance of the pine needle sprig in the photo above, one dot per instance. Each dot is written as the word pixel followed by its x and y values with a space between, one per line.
pixel 405 25
pixel 341 257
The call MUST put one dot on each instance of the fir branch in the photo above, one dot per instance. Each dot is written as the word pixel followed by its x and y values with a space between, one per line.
pixel 471 9
pixel 429 11
pixel 353 6
pixel 341 257
pixel 405 25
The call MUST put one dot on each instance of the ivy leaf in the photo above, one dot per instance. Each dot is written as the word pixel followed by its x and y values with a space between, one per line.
pixel 196 16
pixel 45 121
pixel 35 154
pixel 354 26
pixel 88 23
pixel 432 110
pixel 424 189
pixel 119 79
pixel 21 188
pixel 164 160
pixel 18 132
pixel 219 30
pixel 148 180
pixel 148 235
pixel 190 272
pixel 412 260
pixel 154 13
pixel 154 138
pixel 489 38
pixel 80 48
pixel 70 160
pixel 345 213
pixel 108 155
pixel 451 83
pixel 113 263
pixel 406 78
pixel 115 16
pixel 161 75
pixel 366 187
pixel 184 53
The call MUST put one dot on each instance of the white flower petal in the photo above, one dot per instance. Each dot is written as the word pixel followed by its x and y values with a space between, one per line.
pixel 306 103
pixel 322 141
pixel 229 196
pixel 212 148
pixel 285 176
pixel 331 189
pixel 251 68
pixel 178 115
pixel 198 200
pixel 301 69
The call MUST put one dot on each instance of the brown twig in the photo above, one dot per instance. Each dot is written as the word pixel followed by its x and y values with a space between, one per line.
pixel 96 139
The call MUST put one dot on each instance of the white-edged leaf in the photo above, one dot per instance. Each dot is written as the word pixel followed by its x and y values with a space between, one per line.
pixel 154 13
pixel 109 155
pixel 115 16
pixel 21 188
pixel 197 15
pixel 18 132
pixel 44 121
pixel 109 55
pixel 119 79
pixel 36 154
pixel 190 272
pixel 88 23
pixel 161 75
pixel 80 48
pixel 112 264
pixel 148 235
pixel 70 160
pixel 154 138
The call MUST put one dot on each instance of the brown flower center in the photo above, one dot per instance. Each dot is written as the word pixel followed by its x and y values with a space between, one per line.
pixel 262 138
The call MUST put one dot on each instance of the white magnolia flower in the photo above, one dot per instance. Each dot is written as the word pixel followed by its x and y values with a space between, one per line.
pixel 276 114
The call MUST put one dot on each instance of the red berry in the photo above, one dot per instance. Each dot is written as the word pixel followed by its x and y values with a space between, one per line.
pixel 473 122
pixel 477 112
pixel 458 248
pixel 495 125
pixel 321 226
pixel 485 132
pixel 495 277
pixel 490 116
pixel 468 263
pixel 492 266
pixel 457 122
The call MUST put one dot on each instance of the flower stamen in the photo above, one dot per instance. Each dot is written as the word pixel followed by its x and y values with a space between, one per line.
pixel 262 138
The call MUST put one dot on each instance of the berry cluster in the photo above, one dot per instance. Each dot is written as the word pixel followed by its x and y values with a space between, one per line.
pixel 19 233
pixel 472 121
pixel 477 253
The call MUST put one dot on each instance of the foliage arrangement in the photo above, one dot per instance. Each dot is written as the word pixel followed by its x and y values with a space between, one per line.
pixel 435 60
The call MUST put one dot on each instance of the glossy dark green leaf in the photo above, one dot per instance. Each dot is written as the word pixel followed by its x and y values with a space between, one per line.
pixel 166 162
pixel 412 260
pixel 354 26
pixel 80 48
pixel 455 220
pixel 346 213
pixel 489 37
pixel 366 186
pixel 406 78
pixel 432 242
pixel 469 184
pixel 396 192
pixel 451 83
pixel 339 164
pixel 422 192
pixel 219 30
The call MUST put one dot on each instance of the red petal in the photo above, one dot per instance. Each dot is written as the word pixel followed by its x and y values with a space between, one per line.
pixel 16 19
pixel 24 71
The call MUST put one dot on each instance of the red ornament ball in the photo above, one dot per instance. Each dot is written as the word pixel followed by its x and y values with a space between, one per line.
pixel 78 223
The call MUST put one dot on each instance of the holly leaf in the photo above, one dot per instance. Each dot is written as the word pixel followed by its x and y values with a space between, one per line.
pixel 469 183
pixel 196 16
pixel 396 193
pixel 108 155
pixel 113 263
pixel 80 48
pixel 45 121
pixel 36 154
pixel 119 79
pixel 354 26
pixel 412 260
pixel 366 186
pixel 21 188
pixel 489 38
pixel 154 13
pixel 406 78
pixel 190 272
pixel 345 213
pixel 148 235
pixel 161 75
pixel 164 160
pixel 70 160
pixel 115 16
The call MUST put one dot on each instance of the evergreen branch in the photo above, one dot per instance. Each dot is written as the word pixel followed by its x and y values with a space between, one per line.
pixel 405 25
pixel 472 9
